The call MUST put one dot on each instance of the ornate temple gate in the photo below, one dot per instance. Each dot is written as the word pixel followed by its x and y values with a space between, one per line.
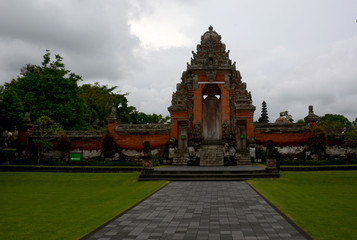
pixel 214 102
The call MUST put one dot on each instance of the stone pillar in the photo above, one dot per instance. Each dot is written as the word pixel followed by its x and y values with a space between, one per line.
pixel 113 120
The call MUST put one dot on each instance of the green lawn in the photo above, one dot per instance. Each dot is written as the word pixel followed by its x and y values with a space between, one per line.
pixel 324 203
pixel 65 205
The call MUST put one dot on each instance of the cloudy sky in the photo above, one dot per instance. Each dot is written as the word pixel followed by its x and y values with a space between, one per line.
pixel 291 53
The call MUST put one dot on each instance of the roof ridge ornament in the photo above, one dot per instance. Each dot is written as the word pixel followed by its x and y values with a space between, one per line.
pixel 210 28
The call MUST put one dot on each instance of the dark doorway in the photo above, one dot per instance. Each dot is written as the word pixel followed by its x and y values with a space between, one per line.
pixel 182 135
pixel 211 114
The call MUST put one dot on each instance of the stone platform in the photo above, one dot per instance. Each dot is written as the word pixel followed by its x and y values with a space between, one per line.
pixel 199 173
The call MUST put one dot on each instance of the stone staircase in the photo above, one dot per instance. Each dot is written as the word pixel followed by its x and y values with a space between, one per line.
pixel 243 158
pixel 180 158
pixel 211 173
pixel 211 155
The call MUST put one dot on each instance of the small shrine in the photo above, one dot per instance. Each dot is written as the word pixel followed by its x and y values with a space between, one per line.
pixel 211 108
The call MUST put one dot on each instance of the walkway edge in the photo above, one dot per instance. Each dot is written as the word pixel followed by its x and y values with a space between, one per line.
pixel 122 213
pixel 302 232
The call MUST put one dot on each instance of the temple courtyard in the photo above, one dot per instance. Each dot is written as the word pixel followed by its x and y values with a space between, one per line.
pixel 76 205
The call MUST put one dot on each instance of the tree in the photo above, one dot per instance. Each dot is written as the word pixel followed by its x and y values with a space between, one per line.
pixel 11 110
pixel 287 116
pixel 100 100
pixel 334 122
pixel 318 140
pixel 143 118
pixel 351 138
pixel 354 123
pixel 46 130
pixel 51 90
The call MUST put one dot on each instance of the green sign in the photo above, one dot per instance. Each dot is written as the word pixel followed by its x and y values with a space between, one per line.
pixel 75 156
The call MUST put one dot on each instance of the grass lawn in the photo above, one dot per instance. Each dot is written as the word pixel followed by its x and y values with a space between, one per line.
pixel 65 205
pixel 324 203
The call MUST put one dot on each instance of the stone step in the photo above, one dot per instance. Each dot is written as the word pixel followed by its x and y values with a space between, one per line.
pixel 243 158
pixel 211 155
pixel 208 176
pixel 180 159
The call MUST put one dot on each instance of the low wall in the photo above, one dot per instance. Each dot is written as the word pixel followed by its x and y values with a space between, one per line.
pixel 283 135
pixel 132 136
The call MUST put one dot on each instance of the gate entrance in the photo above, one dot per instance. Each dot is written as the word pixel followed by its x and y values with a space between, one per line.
pixel 211 114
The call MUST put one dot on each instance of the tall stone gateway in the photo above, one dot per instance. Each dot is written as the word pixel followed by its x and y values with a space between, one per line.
pixel 211 110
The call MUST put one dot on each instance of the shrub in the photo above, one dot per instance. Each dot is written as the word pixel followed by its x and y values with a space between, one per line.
pixel 318 140
pixel 7 155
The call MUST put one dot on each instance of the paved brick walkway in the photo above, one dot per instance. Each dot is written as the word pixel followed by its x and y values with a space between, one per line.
pixel 200 210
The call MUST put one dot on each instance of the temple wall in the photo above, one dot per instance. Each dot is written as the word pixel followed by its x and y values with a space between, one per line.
pixel 132 136
pixel 282 134
pixel 289 139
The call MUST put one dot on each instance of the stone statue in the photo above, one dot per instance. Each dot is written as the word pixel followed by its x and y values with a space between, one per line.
pixel 147 161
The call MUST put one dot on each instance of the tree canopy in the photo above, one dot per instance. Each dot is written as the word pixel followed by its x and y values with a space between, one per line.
pixel 334 122
pixel 100 99
pixel 51 90
pixel 11 110
pixel 287 116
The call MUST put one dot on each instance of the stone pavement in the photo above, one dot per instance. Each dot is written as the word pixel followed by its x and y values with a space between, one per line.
pixel 201 210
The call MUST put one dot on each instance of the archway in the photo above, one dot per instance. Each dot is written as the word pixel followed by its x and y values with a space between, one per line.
pixel 211 114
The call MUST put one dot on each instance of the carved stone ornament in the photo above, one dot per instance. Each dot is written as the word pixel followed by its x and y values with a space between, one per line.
pixel 211 75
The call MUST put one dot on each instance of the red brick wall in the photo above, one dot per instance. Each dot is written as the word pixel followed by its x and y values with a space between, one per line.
pixel 95 144
pixel 135 142
pixel 283 139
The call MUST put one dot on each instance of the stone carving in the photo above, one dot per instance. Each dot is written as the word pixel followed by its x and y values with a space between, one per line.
pixel 229 152
pixel 271 155
pixel 113 115
pixel 227 78
pixel 211 75
pixel 147 161
pixel 225 134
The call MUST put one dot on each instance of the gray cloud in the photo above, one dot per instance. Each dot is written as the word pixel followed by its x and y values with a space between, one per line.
pixel 290 54
pixel 93 38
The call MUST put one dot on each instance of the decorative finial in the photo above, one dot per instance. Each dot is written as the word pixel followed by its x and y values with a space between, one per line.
pixel 210 28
